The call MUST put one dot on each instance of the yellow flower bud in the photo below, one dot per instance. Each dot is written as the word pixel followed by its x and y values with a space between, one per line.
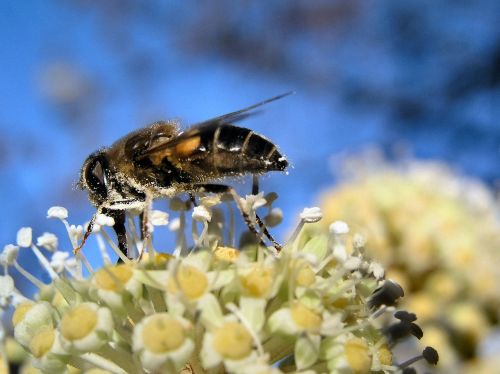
pixel 113 278
pixel 78 322
pixel 306 318
pixel 233 341
pixel 258 282
pixel 358 355
pixel 42 342
pixel 162 333
pixel 191 281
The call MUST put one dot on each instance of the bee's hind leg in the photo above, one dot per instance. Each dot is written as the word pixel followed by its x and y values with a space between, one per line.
pixel 255 191
pixel 221 188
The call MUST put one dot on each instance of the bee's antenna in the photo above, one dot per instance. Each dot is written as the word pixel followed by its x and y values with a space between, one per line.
pixel 90 227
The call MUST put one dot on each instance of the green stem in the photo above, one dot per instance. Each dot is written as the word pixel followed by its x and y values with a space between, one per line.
pixel 156 297
pixel 119 357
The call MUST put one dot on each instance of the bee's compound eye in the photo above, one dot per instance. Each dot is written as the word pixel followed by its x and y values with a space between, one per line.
pixel 98 172
pixel 95 176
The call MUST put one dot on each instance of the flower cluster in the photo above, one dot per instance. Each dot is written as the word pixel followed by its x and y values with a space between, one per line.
pixel 208 307
pixel 437 234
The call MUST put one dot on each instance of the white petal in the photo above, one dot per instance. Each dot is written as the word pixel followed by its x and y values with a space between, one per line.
pixel 209 356
pixel 57 212
pixel 282 321
pixel 24 237
pixel 37 316
pixel 211 313
pixel 306 351
pixel 254 311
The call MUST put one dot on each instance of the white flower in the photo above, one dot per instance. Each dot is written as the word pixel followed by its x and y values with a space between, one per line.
pixel 46 350
pixel 109 284
pixel 162 337
pixel 231 344
pixel 29 317
pixel 311 215
pixel 104 220
pixel 57 212
pixel 9 254
pixel 58 261
pixel 339 228
pixel 295 319
pixel 24 237
pixel 48 241
pixel 158 218
pixel 201 213
pixel 85 328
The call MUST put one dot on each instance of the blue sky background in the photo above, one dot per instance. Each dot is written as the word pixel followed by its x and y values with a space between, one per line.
pixel 77 75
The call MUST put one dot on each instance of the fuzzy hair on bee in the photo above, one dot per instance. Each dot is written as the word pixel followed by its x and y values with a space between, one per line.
pixel 161 161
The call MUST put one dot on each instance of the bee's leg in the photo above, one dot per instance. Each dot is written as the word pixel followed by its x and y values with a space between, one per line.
pixel 119 228
pixel 255 191
pixel 145 231
pixel 192 198
pixel 219 189
pixel 141 225
pixel 267 233
pixel 255 184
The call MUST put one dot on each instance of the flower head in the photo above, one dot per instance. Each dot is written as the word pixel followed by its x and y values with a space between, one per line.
pixel 315 306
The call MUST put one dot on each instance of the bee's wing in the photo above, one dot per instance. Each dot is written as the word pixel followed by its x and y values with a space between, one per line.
pixel 187 138
pixel 242 113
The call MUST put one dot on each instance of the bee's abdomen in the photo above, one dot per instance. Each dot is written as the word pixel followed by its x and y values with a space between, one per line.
pixel 239 150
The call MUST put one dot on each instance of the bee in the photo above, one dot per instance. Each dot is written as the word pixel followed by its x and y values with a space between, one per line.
pixel 161 161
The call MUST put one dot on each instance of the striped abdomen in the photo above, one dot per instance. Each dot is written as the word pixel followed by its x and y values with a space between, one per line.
pixel 221 149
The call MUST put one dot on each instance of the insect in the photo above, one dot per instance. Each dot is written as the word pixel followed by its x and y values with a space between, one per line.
pixel 161 161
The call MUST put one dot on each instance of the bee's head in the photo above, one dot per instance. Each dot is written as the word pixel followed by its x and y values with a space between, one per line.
pixel 95 177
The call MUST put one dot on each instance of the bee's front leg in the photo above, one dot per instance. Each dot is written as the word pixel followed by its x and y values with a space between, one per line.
pixel 119 228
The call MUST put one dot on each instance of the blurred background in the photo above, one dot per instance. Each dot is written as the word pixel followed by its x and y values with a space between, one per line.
pixel 417 79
